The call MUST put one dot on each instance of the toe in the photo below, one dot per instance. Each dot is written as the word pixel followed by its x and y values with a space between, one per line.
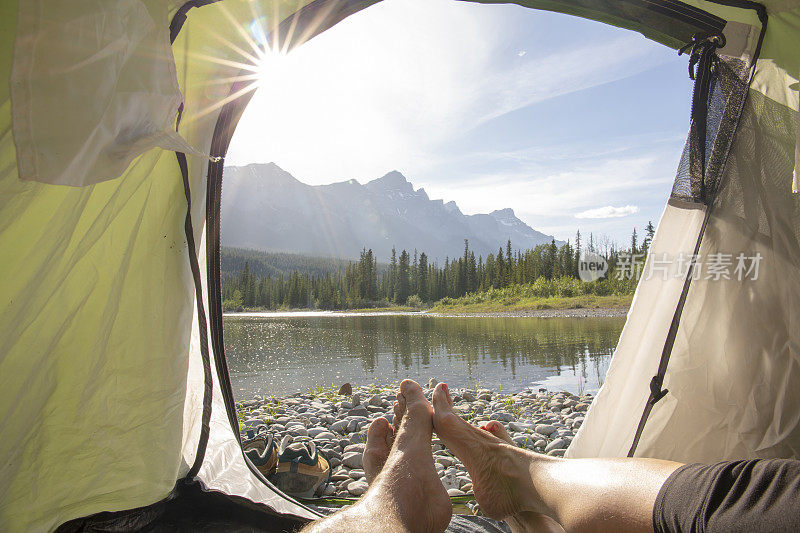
pixel 399 411
pixel 412 394
pixel 498 430
pixel 378 431
pixel 442 402
pixel 377 448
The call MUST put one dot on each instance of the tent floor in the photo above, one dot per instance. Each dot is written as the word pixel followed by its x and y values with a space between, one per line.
pixel 190 507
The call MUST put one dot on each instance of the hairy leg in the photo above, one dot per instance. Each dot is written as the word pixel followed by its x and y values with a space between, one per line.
pixel 405 492
pixel 580 494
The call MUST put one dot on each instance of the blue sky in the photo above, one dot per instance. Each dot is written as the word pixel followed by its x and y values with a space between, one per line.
pixel 571 123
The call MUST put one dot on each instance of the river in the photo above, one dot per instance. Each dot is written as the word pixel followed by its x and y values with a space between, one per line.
pixel 283 353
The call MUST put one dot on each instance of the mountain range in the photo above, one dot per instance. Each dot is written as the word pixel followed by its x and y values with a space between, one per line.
pixel 266 208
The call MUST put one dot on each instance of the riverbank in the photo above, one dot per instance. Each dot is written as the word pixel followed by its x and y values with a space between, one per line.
pixel 583 305
pixel 577 307
pixel 540 420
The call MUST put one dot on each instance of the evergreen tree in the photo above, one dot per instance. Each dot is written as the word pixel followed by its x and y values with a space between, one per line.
pixel 403 283
pixel 422 278
pixel 649 233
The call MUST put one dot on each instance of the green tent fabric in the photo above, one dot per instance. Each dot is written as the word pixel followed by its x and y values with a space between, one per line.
pixel 113 379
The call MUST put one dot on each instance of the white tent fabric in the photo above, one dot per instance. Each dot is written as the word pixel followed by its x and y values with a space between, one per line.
pixel 92 89
pixel 733 374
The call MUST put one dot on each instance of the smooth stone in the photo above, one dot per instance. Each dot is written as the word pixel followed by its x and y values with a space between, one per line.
pixel 445 461
pixel 325 435
pixel 334 462
pixel 353 459
pixel 521 440
pixel 356 473
pixel 339 426
pixel 541 443
pixel 450 480
pixel 467 396
pixel 330 490
pixel 358 438
pixel 455 492
pixel 503 417
pixel 297 431
pixel 313 432
pixel 557 444
pixel 354 448
pixel 486 397
pixel 467 487
pixel 557 453
pixel 545 429
pixel 345 390
pixel 432 383
pixel 357 488
pixel 358 411
pixel 340 475
pixel 356 399
pixel 376 400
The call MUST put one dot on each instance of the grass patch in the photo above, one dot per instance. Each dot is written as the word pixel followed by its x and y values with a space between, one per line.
pixel 532 303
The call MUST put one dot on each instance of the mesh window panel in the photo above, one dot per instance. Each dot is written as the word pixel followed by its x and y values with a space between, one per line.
pixel 726 97
pixel 756 188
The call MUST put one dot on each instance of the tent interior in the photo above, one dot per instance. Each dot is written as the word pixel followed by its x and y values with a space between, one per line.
pixel 116 409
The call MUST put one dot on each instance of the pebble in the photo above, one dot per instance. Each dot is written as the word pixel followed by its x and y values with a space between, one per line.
pixel 545 429
pixel 353 460
pixel 541 420
pixel 445 461
pixel 340 426
pixel 357 488
pixel 376 400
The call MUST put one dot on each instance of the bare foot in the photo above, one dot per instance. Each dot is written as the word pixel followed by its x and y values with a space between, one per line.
pixel 499 470
pixel 407 483
pixel 523 521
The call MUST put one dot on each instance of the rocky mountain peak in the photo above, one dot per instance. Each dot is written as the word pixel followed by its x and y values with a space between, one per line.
pixel 393 180
pixel 504 214
pixel 266 208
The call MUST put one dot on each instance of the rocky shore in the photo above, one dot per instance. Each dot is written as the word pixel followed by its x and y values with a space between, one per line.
pixel 337 422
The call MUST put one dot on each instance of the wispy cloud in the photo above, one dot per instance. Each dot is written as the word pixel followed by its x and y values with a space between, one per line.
pixel 428 86
pixel 609 211
pixel 403 79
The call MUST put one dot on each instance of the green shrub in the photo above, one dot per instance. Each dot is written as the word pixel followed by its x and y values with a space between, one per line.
pixel 414 301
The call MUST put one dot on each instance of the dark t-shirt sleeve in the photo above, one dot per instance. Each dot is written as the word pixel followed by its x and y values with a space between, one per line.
pixel 747 496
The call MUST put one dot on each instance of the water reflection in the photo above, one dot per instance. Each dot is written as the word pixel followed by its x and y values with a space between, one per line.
pixel 271 354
